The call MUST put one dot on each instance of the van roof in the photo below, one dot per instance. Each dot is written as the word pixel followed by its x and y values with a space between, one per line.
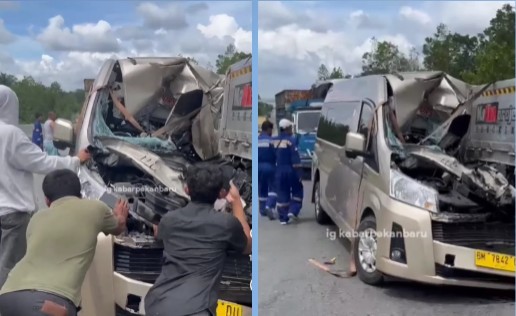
pixel 372 87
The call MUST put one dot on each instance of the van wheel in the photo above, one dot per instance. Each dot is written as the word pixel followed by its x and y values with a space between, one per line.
pixel 364 250
pixel 320 215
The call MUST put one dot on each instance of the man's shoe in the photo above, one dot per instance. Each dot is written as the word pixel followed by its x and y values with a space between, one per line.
pixel 270 213
pixel 291 216
pixel 283 223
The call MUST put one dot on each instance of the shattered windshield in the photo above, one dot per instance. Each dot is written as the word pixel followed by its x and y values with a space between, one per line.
pixel 153 144
pixel 392 140
pixel 307 122
pixel 158 104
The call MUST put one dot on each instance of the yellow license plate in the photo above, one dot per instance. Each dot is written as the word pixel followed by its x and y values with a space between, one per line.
pixel 228 309
pixel 493 260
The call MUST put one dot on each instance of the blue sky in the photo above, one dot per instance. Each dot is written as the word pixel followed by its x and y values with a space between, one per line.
pixel 129 28
pixel 295 37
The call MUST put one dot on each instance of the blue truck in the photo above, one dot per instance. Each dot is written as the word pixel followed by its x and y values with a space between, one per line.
pixel 300 107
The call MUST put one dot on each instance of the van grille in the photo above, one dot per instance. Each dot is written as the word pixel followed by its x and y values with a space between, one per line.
pixel 145 265
pixel 497 237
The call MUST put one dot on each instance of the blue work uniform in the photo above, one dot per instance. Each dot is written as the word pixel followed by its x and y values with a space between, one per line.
pixel 288 185
pixel 266 168
pixel 37 134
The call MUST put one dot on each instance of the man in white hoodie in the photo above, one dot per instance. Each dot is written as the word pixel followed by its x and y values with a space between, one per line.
pixel 19 159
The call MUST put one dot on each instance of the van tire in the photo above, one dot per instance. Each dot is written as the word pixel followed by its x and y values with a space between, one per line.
pixel 321 216
pixel 371 278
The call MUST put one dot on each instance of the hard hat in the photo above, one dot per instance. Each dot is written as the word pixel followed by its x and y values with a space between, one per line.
pixel 284 123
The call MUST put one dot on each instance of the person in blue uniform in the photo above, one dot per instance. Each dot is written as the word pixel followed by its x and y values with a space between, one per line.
pixel 288 185
pixel 37 132
pixel 266 168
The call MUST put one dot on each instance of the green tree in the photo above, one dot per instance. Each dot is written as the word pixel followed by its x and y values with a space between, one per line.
pixel 385 57
pixel 495 57
pixel 323 73
pixel 336 73
pixel 35 98
pixel 452 53
pixel 230 56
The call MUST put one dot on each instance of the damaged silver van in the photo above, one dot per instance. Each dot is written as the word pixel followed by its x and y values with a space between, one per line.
pixel 145 120
pixel 390 170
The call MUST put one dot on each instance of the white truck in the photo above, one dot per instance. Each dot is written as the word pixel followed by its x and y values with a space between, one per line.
pixel 491 136
pixel 236 123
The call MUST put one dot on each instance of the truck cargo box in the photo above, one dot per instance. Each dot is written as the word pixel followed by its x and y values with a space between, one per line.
pixel 236 122
pixel 491 132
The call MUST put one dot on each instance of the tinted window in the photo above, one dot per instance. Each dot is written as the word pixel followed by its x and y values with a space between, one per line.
pixel 337 119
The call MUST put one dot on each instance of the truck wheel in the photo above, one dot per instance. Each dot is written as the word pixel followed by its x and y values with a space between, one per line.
pixel 320 215
pixel 364 250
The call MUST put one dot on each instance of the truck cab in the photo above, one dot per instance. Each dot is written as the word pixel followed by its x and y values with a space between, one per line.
pixel 305 129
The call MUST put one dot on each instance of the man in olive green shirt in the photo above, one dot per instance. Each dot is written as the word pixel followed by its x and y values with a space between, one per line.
pixel 61 242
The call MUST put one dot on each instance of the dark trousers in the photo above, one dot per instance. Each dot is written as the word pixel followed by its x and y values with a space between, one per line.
pixel 289 187
pixel 13 242
pixel 35 303
pixel 265 185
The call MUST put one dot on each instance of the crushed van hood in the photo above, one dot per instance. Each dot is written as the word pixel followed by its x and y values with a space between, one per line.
pixel 146 79
pixel 445 93
pixel 144 160
pixel 143 78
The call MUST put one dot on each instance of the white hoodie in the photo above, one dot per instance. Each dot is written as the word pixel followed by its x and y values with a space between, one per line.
pixel 19 158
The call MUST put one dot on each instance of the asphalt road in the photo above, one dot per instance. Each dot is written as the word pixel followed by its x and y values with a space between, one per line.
pixel 289 285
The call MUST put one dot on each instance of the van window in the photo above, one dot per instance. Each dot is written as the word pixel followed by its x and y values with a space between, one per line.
pixel 365 127
pixel 337 119
pixel 366 117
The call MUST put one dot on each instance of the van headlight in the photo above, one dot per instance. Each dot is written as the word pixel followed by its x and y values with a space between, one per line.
pixel 91 187
pixel 408 190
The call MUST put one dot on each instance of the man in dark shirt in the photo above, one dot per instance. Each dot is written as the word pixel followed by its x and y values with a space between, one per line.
pixel 196 239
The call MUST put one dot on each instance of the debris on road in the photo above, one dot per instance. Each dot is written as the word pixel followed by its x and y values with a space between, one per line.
pixel 337 273
pixel 332 261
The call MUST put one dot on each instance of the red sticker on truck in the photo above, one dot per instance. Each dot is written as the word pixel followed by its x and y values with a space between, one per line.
pixel 243 97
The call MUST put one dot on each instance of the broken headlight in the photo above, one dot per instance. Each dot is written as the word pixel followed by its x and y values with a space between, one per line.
pixel 408 190
pixel 91 187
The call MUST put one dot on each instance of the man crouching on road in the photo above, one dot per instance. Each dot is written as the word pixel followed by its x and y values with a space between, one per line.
pixel 61 242
pixel 196 239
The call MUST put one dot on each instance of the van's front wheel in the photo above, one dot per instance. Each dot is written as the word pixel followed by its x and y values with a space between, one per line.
pixel 320 215
pixel 364 250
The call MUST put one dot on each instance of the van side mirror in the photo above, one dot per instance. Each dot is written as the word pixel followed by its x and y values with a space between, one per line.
pixel 63 134
pixel 355 145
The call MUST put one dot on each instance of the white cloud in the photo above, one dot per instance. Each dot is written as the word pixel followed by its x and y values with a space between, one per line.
pixel 5 36
pixel 68 53
pixel 223 25
pixel 468 17
pixel 291 52
pixel 363 20
pixel 415 15
pixel 273 14
pixel 169 17
pixel 89 37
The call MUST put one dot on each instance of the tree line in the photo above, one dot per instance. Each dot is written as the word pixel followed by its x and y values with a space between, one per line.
pixel 483 58
pixel 38 98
